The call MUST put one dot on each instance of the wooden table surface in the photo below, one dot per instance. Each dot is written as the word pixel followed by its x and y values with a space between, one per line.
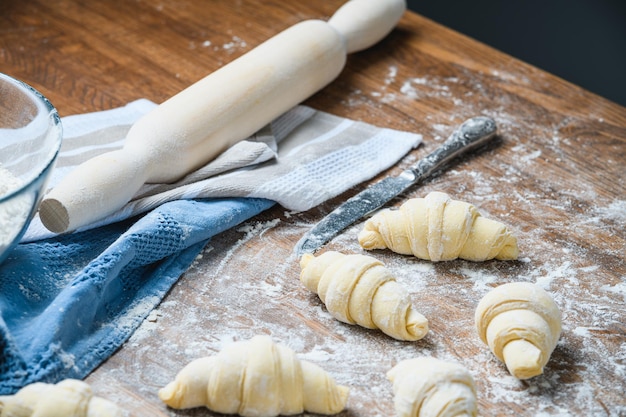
pixel 557 178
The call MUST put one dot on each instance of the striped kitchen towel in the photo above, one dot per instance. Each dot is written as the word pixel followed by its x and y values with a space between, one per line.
pixel 300 160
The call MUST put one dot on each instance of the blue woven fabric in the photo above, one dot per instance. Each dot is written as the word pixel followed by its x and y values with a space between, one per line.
pixel 67 303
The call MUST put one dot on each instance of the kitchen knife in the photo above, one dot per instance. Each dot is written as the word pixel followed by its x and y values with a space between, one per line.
pixel 469 135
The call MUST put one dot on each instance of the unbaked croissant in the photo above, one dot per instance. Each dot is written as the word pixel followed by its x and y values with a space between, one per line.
pixel 432 387
pixel 521 324
pixel 255 378
pixel 68 398
pixel 438 228
pixel 358 289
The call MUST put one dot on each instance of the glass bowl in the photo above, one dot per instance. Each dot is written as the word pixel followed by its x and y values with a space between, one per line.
pixel 30 140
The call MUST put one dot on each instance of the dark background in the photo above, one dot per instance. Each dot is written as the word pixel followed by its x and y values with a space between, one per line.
pixel 581 41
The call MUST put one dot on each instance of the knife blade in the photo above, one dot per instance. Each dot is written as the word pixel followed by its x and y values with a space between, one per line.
pixel 471 134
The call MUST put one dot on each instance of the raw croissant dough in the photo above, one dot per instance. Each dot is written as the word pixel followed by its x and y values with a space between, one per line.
pixel 359 289
pixel 438 228
pixel 68 398
pixel 432 387
pixel 255 378
pixel 521 323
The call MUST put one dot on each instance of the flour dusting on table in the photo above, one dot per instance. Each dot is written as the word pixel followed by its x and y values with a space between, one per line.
pixel 233 293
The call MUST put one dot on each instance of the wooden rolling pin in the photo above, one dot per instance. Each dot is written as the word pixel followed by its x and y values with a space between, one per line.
pixel 194 126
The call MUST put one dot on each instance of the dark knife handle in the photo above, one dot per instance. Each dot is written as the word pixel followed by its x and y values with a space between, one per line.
pixel 469 135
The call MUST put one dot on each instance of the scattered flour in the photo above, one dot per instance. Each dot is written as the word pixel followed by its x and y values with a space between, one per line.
pixel 587 371
pixel 276 304
pixel 235 43
pixel 391 75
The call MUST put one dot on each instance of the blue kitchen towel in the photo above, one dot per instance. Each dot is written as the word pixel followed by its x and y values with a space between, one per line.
pixel 68 302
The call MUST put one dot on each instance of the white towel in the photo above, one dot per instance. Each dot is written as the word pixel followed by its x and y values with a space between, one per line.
pixel 300 160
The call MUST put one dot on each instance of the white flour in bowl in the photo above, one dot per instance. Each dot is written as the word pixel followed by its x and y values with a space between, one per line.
pixel 8 181
pixel 14 212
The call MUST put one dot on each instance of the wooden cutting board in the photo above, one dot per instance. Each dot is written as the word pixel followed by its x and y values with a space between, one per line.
pixel 556 177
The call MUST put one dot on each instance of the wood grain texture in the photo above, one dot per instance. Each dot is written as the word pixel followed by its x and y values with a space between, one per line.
pixel 556 176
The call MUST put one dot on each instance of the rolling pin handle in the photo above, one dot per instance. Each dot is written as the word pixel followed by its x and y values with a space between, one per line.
pixel 364 23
